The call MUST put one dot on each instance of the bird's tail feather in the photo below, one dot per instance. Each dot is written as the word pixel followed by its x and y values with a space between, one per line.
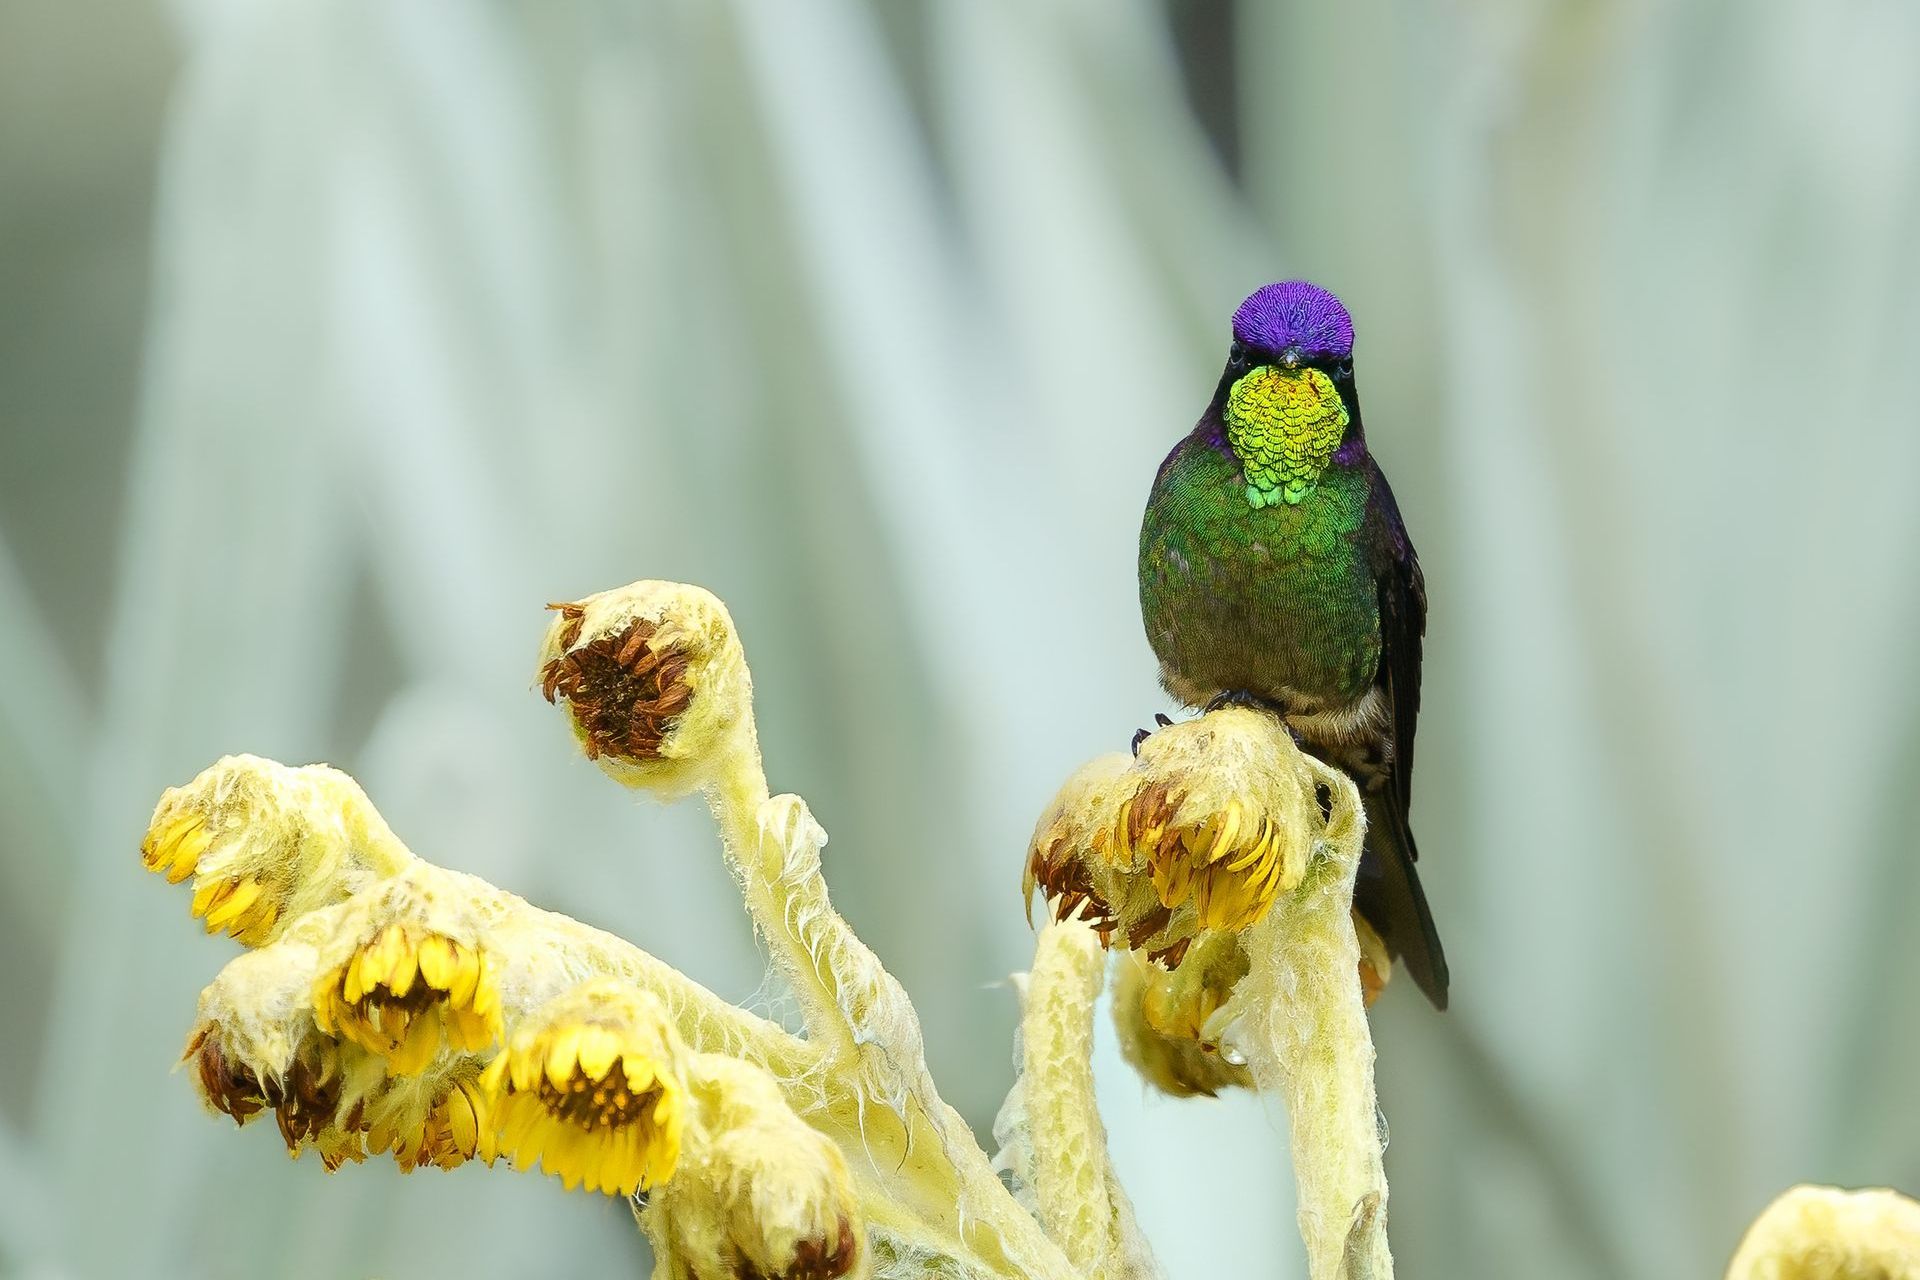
pixel 1389 897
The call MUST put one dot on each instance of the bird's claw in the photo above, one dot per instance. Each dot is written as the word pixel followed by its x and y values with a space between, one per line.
pixel 1160 721
pixel 1253 701
pixel 1242 698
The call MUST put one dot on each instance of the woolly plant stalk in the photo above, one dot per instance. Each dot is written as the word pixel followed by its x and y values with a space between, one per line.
pixel 1304 1035
pixel 1053 1141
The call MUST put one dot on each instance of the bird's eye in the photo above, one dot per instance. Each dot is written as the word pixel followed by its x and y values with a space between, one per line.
pixel 1237 356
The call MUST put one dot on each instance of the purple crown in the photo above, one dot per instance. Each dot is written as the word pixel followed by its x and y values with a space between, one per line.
pixel 1295 313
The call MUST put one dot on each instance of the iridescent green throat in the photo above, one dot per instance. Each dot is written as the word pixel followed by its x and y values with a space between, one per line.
pixel 1284 425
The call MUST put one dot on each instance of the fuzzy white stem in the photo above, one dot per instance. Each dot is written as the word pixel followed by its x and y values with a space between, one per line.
pixel 1081 1205
pixel 880 1099
pixel 1305 1035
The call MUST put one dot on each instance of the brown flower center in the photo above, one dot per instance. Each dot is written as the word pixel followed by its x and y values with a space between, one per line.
pixel 381 1008
pixel 624 691
pixel 603 1104
pixel 820 1258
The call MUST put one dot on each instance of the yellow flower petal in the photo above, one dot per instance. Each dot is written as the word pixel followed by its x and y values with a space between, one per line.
pixel 463 1122
pixel 417 1048
pixel 1226 830
pixel 205 895
pixel 403 971
pixel 526 1062
pixel 563 1051
pixel 259 930
pixel 460 988
pixel 374 961
pixel 438 963
pixel 239 898
pixel 598 1050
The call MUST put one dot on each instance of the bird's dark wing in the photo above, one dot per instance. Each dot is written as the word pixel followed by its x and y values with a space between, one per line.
pixel 1403 628
pixel 1389 892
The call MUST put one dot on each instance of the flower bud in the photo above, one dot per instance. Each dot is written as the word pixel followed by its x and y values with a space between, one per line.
pixel 1225 815
pixel 654 681
pixel 266 843
pixel 1213 820
pixel 1065 859
pixel 1824 1233
pixel 254 1048
pixel 1181 1003
pixel 758 1192
pixel 454 1126
pixel 1163 1028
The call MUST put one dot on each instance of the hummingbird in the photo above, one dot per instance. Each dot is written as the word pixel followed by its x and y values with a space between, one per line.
pixel 1275 571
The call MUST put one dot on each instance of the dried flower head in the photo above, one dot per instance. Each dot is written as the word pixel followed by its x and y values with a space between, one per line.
pixel 1824 1233
pixel 654 681
pixel 758 1192
pixel 266 843
pixel 254 1048
pixel 1212 821
pixel 592 1086
pixel 304 1095
pixel 1067 859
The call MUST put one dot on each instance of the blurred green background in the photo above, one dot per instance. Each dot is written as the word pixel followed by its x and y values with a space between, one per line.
pixel 338 336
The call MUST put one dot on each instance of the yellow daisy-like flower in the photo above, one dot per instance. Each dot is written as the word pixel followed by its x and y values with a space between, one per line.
pixel 592 1086
pixel 408 991
pixel 1224 815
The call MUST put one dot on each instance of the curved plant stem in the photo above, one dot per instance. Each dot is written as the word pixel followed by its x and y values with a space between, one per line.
pixel 1080 1202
